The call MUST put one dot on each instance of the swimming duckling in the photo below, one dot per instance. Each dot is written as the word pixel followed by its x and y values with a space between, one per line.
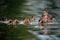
pixel 32 18
pixel 15 22
pixel 10 21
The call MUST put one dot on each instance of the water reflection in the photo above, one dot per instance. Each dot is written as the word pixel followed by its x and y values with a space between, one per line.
pixel 41 5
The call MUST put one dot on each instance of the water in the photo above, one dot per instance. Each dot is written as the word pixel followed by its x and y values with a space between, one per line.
pixel 38 6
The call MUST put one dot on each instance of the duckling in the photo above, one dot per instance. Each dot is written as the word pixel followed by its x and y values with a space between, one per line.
pixel 15 22
pixel 10 22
